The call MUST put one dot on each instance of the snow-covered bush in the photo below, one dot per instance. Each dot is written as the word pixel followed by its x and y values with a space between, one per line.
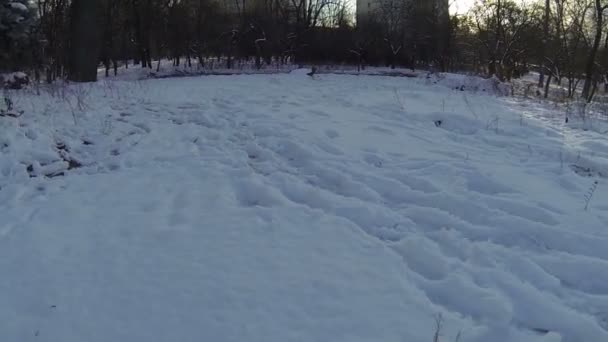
pixel 490 85
pixel 14 80
pixel 8 108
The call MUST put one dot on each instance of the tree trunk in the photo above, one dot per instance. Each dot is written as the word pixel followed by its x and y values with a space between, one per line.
pixel 493 67
pixel 85 41
pixel 548 85
pixel 201 61
pixel 593 91
pixel 541 78
pixel 141 36
pixel 589 68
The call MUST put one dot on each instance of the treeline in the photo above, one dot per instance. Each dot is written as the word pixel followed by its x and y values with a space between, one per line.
pixel 61 38
pixel 58 38
pixel 565 40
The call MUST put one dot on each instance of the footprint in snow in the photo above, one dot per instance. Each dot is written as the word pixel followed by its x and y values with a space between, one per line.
pixel 374 160
pixel 332 134
pixel 319 113
pixel 378 129
pixel 253 193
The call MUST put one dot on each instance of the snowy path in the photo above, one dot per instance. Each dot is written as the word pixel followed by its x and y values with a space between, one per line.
pixel 280 208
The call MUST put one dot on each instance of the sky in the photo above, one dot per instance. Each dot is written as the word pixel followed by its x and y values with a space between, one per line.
pixel 460 6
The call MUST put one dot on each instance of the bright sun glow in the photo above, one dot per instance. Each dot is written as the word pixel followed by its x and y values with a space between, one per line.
pixel 460 6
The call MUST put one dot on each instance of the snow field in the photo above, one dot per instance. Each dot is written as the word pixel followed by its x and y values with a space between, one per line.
pixel 285 208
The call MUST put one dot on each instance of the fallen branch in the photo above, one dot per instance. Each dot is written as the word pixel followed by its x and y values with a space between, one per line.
pixel 4 113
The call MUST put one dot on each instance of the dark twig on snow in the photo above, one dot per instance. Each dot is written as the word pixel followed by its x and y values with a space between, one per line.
pixel 9 110
pixel 312 72
pixel 589 194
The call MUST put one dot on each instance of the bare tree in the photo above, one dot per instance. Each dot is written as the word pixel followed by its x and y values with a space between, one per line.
pixel 85 41
pixel 54 15
pixel 501 31
pixel 587 93
pixel 393 15
pixel 541 78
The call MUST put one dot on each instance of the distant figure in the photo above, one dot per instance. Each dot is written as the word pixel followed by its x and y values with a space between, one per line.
pixel 312 72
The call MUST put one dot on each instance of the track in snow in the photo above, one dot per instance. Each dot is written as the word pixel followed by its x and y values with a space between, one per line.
pixel 333 209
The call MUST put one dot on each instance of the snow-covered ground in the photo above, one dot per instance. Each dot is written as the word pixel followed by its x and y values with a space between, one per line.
pixel 285 208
